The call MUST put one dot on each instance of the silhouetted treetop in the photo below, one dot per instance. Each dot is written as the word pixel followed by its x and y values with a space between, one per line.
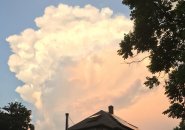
pixel 159 30
pixel 15 116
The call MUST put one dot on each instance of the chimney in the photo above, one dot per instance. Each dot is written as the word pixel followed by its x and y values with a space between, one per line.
pixel 111 109
pixel 67 116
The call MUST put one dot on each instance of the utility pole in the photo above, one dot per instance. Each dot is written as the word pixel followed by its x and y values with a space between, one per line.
pixel 67 118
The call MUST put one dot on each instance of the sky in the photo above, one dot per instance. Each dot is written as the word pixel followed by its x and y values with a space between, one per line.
pixel 59 56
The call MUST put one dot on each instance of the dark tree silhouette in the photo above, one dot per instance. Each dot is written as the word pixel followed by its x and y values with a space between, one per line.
pixel 15 116
pixel 181 126
pixel 159 29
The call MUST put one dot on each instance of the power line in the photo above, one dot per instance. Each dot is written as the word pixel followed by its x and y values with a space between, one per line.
pixel 71 120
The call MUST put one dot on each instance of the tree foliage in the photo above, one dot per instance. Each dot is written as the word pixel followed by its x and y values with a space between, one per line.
pixel 181 126
pixel 159 30
pixel 15 116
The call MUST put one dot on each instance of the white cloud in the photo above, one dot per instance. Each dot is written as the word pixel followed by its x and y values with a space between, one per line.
pixel 70 64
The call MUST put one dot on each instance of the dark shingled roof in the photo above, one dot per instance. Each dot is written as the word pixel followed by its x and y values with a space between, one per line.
pixel 105 119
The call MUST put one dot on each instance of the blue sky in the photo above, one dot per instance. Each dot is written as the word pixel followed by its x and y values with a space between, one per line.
pixel 124 82
pixel 20 14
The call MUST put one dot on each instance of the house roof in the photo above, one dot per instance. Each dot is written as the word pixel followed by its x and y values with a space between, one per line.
pixel 105 119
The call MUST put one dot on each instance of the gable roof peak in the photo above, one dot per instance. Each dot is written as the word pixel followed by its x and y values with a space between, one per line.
pixel 103 118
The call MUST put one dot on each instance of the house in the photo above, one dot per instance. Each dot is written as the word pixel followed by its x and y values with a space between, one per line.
pixel 103 120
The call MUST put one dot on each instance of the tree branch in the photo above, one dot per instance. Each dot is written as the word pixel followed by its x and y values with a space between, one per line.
pixel 136 61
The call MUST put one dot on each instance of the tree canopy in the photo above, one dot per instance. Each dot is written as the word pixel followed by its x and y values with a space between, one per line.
pixel 159 30
pixel 15 116
pixel 181 126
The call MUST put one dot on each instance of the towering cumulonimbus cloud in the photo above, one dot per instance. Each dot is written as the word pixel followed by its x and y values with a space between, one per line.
pixel 70 64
